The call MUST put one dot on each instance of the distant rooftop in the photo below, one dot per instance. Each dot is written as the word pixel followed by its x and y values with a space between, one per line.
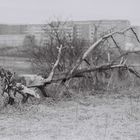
pixel 73 21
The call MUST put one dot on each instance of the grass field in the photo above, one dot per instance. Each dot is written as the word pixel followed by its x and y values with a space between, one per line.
pixel 114 116
pixel 99 117
pixel 20 65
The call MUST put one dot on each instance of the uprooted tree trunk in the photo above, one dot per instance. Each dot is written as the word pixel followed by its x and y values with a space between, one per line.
pixel 10 87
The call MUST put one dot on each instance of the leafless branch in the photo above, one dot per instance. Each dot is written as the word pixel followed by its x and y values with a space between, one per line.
pixel 95 45
pixel 55 65
pixel 135 34
pixel 118 47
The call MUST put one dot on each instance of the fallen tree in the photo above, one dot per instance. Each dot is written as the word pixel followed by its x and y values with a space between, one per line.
pixel 12 87
pixel 75 72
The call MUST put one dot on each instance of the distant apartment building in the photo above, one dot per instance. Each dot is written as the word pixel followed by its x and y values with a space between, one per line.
pixel 12 29
pixel 13 35
pixel 14 40
pixel 89 29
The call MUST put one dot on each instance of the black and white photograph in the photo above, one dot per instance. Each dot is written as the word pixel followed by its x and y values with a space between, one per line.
pixel 69 70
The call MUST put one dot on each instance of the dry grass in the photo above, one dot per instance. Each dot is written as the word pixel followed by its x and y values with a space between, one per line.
pixel 98 117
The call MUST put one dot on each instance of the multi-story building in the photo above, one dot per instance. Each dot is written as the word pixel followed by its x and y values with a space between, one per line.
pixel 11 40
pixel 89 30
pixel 13 35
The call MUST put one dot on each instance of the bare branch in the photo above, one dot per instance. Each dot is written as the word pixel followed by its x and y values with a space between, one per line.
pixel 75 72
pixel 55 65
pixel 118 47
pixel 41 82
pixel 135 35
pixel 95 45
pixel 124 55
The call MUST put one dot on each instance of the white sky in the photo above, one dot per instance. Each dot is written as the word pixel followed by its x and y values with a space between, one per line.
pixel 39 11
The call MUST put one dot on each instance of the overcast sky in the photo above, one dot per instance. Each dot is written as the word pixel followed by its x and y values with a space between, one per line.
pixel 40 11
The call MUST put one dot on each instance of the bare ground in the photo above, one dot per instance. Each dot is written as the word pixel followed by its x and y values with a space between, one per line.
pixel 100 117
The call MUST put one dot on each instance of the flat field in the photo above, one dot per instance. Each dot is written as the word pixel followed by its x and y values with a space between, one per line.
pixel 98 117
pixel 20 65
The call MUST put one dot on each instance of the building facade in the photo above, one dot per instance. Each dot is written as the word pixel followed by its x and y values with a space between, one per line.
pixel 13 35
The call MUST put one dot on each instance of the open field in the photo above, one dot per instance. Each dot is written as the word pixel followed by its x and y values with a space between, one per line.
pixel 99 117
pixel 20 65
pixel 114 116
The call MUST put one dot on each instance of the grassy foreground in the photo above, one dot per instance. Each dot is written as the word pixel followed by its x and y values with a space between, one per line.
pixel 98 117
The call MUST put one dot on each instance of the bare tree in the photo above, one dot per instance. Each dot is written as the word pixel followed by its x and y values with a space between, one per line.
pixel 56 34
pixel 112 63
